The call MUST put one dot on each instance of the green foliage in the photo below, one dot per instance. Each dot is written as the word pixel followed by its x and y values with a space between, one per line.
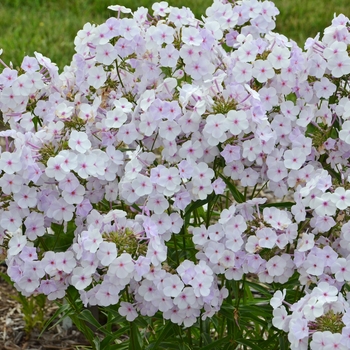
pixel 244 321
pixel 60 240
pixel 50 26
pixel 33 308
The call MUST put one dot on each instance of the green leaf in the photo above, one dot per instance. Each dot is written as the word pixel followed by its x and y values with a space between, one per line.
pixel 248 295
pixel 108 340
pixel 6 278
pixel 86 315
pixel 36 120
pixel 286 205
pixel 257 313
pixel 171 345
pixel 121 346
pixel 206 338
pixel 238 196
pixel 60 241
pixel 168 329
pixel 251 345
pixel 260 288
pixel 291 97
pixel 332 99
pixel 283 342
pixel 62 312
pixel 333 133
pixel 217 344
pixel 96 343
pixel 136 341
pixel 227 310
pixel 192 207
pixel 137 208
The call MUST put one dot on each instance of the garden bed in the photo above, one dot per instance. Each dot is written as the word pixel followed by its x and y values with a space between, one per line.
pixel 12 327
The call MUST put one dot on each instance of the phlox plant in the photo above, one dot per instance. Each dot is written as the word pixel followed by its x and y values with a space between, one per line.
pixel 190 177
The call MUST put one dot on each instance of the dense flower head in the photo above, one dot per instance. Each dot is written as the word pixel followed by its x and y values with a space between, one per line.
pixel 158 115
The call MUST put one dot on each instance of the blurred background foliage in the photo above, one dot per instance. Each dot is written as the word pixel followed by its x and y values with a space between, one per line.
pixel 49 26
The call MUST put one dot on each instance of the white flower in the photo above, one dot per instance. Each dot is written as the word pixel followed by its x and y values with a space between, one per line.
pixel 277 299
pixel 79 141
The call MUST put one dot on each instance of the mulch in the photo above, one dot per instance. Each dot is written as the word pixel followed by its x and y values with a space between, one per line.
pixel 12 327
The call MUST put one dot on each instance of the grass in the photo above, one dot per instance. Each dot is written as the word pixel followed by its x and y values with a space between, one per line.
pixel 49 26
pixel 300 19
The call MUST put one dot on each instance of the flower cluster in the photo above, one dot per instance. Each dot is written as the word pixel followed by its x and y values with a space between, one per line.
pixel 163 128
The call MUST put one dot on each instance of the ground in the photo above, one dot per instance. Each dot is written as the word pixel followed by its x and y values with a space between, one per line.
pixel 13 336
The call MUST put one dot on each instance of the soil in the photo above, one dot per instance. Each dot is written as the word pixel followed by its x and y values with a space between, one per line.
pixel 12 326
